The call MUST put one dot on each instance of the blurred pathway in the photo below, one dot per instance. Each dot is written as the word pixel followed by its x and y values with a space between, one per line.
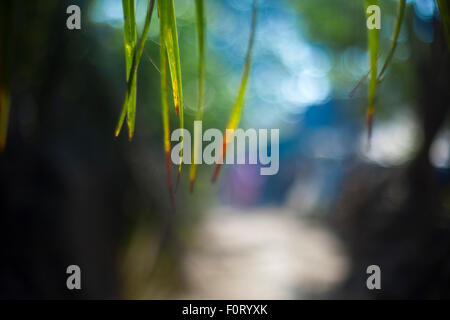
pixel 261 254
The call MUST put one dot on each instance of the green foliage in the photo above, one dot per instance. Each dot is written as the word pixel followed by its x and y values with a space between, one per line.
pixel 169 37
pixel 165 111
pixel 373 36
pixel 201 83
pixel 398 25
pixel 236 112
pixel 373 46
pixel 130 38
pixel 339 23
pixel 133 56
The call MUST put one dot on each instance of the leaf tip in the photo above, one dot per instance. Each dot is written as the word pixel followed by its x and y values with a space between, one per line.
pixel 116 133
pixel 130 135
pixel 216 173
pixel 178 178
pixel 369 121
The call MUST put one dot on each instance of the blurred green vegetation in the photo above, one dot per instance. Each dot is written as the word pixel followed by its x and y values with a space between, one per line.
pixel 110 196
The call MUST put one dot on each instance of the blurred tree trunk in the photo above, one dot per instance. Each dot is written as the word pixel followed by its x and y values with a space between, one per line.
pixel 396 217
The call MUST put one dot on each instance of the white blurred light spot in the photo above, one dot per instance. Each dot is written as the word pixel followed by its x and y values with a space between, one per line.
pixel 304 89
pixel 440 150
pixel 393 142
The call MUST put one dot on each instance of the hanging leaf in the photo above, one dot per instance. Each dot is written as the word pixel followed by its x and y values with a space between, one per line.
pixel 130 36
pixel 129 105
pixel 374 47
pixel 169 37
pixel 373 36
pixel 398 26
pixel 201 87
pixel 165 117
pixel 236 112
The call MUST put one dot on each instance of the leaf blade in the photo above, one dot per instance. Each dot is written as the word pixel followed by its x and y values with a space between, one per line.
pixel 200 21
pixel 237 109
pixel 397 28
pixel 130 39
pixel 165 119
pixel 373 36
pixel 129 105
pixel 170 38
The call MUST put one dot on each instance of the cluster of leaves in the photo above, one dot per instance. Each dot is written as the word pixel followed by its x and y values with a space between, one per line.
pixel 375 78
pixel 170 65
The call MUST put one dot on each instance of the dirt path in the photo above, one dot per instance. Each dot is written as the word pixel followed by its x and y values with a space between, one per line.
pixel 261 254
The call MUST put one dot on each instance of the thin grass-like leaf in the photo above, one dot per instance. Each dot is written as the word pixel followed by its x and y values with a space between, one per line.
pixel 129 105
pixel 201 87
pixel 165 117
pixel 236 112
pixel 374 47
pixel 169 37
pixel 359 84
pixel 130 39
pixel 444 9
pixel 5 68
pixel 398 26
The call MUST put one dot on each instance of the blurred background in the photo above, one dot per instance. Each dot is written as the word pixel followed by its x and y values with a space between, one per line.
pixel 72 194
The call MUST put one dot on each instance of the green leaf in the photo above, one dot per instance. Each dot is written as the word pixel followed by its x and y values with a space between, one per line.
pixel 130 38
pixel 398 25
pixel 201 85
pixel 6 37
pixel 374 47
pixel 236 112
pixel 444 9
pixel 169 37
pixel 129 105
pixel 165 117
